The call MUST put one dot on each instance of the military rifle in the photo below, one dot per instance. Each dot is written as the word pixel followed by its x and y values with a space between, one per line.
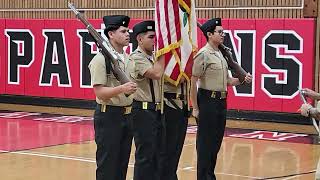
pixel 104 45
pixel 238 70
pixel 227 53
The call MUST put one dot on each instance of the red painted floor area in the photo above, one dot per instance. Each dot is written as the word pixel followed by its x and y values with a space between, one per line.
pixel 26 133
pixel 24 130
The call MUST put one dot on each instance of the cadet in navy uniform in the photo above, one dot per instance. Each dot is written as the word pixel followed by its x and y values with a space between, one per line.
pixel 147 126
pixel 210 68
pixel 112 119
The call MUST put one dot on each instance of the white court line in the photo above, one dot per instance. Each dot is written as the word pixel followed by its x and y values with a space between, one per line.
pixel 56 156
pixel 191 144
pixel 185 145
pixel 237 175
pixel 290 178
pixel 187 168
pixel 92 160
pixel 190 168
pixel 39 154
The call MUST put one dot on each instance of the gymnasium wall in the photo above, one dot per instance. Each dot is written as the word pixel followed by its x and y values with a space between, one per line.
pixel 49 58
pixel 57 9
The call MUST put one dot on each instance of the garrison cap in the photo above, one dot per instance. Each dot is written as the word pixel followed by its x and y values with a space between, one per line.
pixel 210 25
pixel 116 20
pixel 144 26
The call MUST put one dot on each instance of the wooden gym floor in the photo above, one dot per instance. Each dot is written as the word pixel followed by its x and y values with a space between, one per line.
pixel 57 143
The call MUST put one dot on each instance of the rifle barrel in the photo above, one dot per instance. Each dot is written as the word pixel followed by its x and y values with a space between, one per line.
pixel 71 6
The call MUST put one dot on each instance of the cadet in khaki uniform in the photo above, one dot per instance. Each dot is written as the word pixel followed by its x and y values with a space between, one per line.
pixel 147 124
pixel 112 119
pixel 209 101
pixel 176 121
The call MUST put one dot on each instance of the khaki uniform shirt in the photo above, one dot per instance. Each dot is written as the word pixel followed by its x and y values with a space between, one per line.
pixel 211 68
pixel 143 62
pixel 170 88
pixel 99 75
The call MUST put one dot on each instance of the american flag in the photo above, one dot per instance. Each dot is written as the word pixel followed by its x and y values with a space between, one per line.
pixel 176 30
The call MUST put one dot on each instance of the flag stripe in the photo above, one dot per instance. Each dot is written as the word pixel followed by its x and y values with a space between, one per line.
pixel 175 22
pixel 159 31
pixel 167 21
pixel 163 23
pixel 175 38
pixel 170 66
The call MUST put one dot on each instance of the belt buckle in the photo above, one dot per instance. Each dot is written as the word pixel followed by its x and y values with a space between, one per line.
pixel 213 94
pixel 103 108
pixel 178 96
pixel 158 106
pixel 144 105
pixel 127 110
pixel 223 95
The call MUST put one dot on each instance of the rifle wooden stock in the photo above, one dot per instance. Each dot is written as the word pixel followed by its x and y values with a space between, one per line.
pixel 104 45
pixel 239 71
pixel 226 52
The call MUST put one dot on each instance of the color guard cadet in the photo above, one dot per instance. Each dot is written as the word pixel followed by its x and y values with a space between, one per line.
pixel 112 119
pixel 209 101
pixel 147 126
pixel 176 122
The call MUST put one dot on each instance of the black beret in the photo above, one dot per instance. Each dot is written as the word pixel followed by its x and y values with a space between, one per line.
pixel 144 26
pixel 210 25
pixel 117 20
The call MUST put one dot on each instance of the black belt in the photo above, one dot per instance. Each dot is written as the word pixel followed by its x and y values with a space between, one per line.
pixel 119 109
pixel 214 94
pixel 174 96
pixel 146 105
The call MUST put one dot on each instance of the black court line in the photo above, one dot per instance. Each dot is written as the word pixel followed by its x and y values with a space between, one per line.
pixel 290 175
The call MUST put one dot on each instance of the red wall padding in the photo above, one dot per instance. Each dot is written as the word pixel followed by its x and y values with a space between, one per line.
pixel 259 100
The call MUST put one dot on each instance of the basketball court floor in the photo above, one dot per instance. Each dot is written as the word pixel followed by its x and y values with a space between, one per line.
pixel 46 143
